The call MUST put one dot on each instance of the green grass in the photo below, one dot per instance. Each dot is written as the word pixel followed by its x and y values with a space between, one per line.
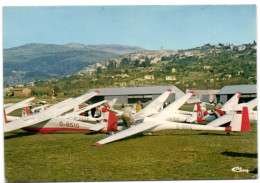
pixel 166 155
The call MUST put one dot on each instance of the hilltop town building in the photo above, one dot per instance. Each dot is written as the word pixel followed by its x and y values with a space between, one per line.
pixel 149 77
pixel 170 78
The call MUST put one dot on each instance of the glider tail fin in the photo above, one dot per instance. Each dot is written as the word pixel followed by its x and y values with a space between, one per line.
pixel 199 114
pixel 110 103
pixel 25 112
pixel 240 121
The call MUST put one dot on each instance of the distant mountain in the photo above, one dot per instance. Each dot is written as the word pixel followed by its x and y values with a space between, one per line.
pixel 39 61
pixel 113 48
pixel 118 49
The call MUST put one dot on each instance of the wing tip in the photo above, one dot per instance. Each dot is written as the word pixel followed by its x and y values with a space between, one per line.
pixel 96 144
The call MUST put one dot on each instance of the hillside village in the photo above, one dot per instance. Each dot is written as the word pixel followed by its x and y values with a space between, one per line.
pixel 163 57
pixel 156 56
pixel 204 67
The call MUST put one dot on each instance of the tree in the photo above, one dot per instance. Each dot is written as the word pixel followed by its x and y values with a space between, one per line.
pixel 111 64
pixel 125 61
pixel 99 70
pixel 137 63
pixel 56 88
pixel 146 63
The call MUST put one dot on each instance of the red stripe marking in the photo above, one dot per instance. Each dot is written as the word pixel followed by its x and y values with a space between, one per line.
pixel 97 91
pixel 49 130
pixel 5 116
pixel 169 90
pixel 192 92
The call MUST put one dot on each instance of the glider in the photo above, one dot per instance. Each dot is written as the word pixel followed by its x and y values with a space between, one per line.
pixel 227 107
pixel 67 122
pixel 50 113
pixel 167 113
pixel 227 117
pixel 11 107
pixel 197 114
pixel 76 114
pixel 18 105
pixel 172 112
pixel 152 108
pixel 240 122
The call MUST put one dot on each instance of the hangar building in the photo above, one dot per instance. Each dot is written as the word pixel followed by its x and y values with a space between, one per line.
pixel 248 92
pixel 130 95
pixel 208 95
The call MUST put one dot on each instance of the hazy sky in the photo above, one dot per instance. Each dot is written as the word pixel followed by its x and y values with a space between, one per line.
pixel 150 27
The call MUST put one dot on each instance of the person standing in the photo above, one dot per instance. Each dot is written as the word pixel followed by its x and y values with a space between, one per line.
pixel 138 106
pixel 127 116
pixel 122 106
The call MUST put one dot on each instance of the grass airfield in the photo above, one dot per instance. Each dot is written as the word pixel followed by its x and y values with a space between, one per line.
pixel 165 155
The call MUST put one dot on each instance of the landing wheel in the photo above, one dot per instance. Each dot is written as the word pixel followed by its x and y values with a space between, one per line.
pixel 228 133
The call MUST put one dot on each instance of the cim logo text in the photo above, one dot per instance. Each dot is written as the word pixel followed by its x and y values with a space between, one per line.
pixel 239 169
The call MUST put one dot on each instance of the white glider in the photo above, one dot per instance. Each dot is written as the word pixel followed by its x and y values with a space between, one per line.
pixel 152 108
pixel 18 105
pixel 227 107
pixel 227 117
pixel 240 122
pixel 76 114
pixel 172 112
pixel 11 107
pixel 51 112
pixel 167 113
